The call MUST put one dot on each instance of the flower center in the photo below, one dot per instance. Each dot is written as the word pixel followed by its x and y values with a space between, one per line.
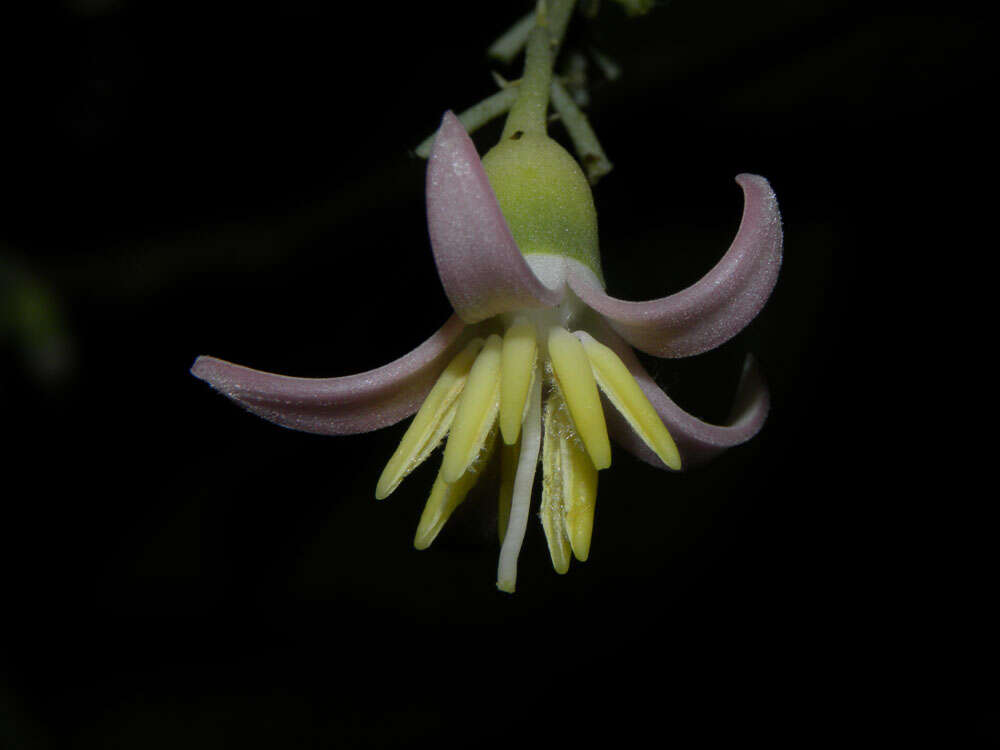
pixel 532 390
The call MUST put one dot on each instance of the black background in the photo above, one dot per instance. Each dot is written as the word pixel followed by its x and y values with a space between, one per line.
pixel 188 178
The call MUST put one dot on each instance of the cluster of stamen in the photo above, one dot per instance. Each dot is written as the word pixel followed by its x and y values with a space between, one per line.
pixel 535 389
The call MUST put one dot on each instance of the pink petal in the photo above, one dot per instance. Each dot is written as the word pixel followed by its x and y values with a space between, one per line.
pixel 337 406
pixel 719 305
pixel 480 266
pixel 696 440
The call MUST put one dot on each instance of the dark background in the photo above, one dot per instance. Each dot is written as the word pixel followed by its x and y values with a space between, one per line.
pixel 188 178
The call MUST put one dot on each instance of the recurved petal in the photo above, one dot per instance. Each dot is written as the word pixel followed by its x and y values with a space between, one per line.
pixel 481 268
pixel 719 305
pixel 337 406
pixel 697 441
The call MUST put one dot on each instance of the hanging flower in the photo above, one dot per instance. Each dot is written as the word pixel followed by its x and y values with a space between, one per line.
pixel 520 369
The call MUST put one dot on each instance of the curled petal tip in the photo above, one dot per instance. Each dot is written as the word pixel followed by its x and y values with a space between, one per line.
pixel 199 367
pixel 697 441
pixel 209 369
pixel 481 268
pixel 718 306
pixel 341 405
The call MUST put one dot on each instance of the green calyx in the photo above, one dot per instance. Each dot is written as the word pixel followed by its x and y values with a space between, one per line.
pixel 545 198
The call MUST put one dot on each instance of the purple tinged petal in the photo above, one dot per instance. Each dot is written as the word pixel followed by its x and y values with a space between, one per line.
pixel 337 406
pixel 697 441
pixel 482 270
pixel 719 305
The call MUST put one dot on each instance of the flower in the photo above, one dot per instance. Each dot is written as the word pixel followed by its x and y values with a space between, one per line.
pixel 534 346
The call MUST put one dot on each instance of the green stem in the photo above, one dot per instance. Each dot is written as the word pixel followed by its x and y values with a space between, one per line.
pixel 476 116
pixel 528 115
pixel 588 148
pixel 513 40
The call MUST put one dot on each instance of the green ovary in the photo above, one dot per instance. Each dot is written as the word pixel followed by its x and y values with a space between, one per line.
pixel 545 198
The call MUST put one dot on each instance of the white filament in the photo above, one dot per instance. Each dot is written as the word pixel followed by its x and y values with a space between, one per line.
pixel 524 480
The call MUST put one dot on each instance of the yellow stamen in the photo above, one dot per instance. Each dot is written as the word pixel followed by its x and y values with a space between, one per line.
pixel 447 496
pixel 579 496
pixel 569 488
pixel 431 423
pixel 552 511
pixel 627 397
pixel 477 412
pixel 509 457
pixel 517 369
pixel 576 381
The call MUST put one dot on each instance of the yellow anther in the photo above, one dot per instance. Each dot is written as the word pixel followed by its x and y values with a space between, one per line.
pixel 431 423
pixel 627 397
pixel 477 412
pixel 579 496
pixel 520 347
pixel 576 381
pixel 569 489
pixel 552 511
pixel 447 496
